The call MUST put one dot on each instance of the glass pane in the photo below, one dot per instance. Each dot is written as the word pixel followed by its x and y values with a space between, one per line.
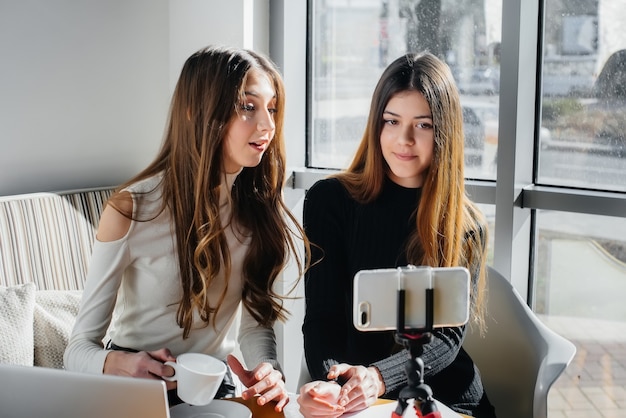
pixel 352 41
pixel 583 134
pixel 580 283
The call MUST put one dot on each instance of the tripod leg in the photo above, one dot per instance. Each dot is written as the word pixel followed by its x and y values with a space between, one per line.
pixel 427 409
pixel 400 408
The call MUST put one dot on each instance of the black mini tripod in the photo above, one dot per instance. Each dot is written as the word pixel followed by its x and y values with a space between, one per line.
pixel 414 340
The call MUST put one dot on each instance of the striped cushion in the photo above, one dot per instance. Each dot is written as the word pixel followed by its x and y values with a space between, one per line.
pixel 46 238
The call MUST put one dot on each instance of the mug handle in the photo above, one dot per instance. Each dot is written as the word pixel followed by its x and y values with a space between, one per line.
pixel 173 377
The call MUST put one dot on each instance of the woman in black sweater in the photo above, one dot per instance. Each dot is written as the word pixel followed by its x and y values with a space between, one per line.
pixel 402 201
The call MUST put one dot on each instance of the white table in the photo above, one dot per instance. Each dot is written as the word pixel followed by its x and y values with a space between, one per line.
pixel 376 411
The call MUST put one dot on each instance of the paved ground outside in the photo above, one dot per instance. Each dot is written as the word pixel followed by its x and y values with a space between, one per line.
pixel 594 385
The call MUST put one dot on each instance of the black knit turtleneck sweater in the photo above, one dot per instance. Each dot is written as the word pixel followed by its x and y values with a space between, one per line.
pixel 352 237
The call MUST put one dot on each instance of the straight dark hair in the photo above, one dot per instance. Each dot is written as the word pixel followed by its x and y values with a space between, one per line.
pixel 450 230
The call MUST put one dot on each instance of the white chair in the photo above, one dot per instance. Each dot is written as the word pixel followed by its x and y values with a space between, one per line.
pixel 304 377
pixel 519 357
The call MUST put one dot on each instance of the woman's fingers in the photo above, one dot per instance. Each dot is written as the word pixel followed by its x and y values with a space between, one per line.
pixel 319 399
pixel 361 389
pixel 264 381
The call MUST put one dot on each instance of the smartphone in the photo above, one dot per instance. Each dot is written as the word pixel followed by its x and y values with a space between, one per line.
pixel 376 297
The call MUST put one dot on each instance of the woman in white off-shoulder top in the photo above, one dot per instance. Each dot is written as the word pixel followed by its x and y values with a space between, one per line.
pixel 198 237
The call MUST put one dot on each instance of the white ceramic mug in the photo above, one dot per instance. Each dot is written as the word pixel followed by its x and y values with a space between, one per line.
pixel 199 376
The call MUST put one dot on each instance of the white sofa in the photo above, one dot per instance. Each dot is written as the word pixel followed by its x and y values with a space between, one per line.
pixel 45 246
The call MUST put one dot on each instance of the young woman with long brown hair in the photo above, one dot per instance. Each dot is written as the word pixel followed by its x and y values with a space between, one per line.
pixel 401 201
pixel 199 236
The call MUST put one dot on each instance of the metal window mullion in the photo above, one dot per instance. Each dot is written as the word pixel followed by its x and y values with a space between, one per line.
pixel 518 65
pixel 591 202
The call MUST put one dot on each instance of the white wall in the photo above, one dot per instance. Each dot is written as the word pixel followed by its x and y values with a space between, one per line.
pixel 288 49
pixel 84 91
pixel 85 85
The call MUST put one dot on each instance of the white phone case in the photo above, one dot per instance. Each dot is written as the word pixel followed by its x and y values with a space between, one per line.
pixel 376 297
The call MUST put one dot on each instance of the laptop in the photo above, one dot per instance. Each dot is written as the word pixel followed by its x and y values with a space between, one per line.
pixel 38 392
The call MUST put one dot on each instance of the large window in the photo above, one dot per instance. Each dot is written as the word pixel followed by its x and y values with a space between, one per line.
pixel 542 84
pixel 353 41
pixel 583 111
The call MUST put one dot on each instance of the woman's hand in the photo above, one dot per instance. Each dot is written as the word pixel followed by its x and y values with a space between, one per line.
pixel 145 364
pixel 264 380
pixel 362 388
pixel 319 399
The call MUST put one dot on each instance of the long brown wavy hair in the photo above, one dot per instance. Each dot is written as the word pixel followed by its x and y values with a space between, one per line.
pixel 206 99
pixel 450 230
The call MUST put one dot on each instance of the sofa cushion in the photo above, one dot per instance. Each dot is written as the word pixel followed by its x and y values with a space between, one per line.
pixel 17 305
pixel 54 316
